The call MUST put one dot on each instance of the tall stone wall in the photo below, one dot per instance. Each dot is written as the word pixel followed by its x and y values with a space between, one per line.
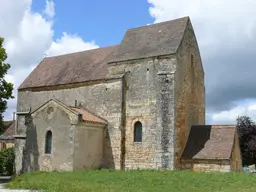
pixel 189 90
pixel 149 98
pixel 91 137
pixel 104 98
pixel 236 157
pixel 19 149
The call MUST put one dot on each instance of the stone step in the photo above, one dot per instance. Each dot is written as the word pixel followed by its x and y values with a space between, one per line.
pixel 5 179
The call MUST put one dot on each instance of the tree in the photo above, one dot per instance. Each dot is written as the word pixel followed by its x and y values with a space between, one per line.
pixel 247 137
pixel 6 88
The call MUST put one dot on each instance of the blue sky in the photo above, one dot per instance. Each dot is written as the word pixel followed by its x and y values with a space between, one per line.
pixel 105 22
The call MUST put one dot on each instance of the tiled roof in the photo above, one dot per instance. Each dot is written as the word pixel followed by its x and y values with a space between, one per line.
pixel 210 142
pixel 142 42
pixel 9 132
pixel 153 40
pixel 88 116
pixel 70 68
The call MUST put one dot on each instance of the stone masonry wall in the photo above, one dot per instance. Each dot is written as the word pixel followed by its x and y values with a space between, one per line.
pixel 206 165
pixel 149 98
pixel 91 137
pixel 236 163
pixel 19 151
pixel 60 121
pixel 102 98
pixel 189 90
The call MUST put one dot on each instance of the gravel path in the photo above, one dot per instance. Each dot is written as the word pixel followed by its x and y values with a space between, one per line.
pixel 9 190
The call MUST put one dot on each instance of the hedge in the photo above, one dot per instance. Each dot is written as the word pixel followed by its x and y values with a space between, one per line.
pixel 7 161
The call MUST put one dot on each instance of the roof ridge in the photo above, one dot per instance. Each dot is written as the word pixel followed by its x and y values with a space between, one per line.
pixel 151 40
pixel 88 50
pixel 70 68
pixel 214 127
pixel 223 125
pixel 158 24
pixel 53 100
pixel 82 66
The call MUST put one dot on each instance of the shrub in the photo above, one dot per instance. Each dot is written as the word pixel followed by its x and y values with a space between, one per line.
pixel 247 138
pixel 7 161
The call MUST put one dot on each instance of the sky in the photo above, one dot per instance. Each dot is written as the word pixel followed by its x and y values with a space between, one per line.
pixel 225 31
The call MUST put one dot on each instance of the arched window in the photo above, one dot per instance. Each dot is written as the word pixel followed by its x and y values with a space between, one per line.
pixel 48 142
pixel 138 132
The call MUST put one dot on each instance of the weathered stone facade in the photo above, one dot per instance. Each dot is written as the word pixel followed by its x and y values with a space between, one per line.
pixel 159 83
pixel 236 157
pixel 207 165
pixel 68 134
pixel 211 165
pixel 89 157
pixel 20 158
pixel 105 100
pixel 189 90
pixel 149 98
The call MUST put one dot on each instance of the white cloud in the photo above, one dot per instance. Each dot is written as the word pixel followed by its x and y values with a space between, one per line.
pixel 229 116
pixel 62 45
pixel 49 9
pixel 28 36
pixel 226 33
pixel 214 21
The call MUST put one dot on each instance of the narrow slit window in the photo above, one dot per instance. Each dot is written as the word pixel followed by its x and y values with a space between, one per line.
pixel 192 74
pixel 48 142
pixel 192 60
pixel 138 132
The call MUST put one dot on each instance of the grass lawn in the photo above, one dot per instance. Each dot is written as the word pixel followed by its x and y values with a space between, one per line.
pixel 135 181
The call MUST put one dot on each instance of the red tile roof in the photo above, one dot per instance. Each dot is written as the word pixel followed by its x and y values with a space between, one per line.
pixel 88 116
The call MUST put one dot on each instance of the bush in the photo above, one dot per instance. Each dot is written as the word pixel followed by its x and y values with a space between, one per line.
pixel 7 161
pixel 247 134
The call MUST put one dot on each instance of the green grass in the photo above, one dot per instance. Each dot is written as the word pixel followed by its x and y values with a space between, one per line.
pixel 135 181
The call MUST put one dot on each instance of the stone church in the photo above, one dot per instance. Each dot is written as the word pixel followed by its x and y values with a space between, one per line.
pixel 128 106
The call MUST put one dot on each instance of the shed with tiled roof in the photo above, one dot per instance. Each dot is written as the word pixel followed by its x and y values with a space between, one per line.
pixel 7 137
pixel 212 148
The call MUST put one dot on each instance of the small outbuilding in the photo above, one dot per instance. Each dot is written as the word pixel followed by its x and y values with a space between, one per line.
pixel 212 148
pixel 7 137
pixel 63 138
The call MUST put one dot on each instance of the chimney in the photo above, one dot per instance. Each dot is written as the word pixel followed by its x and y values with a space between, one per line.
pixel 75 103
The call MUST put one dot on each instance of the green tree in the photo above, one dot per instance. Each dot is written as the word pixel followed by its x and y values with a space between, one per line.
pixel 247 137
pixel 6 88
